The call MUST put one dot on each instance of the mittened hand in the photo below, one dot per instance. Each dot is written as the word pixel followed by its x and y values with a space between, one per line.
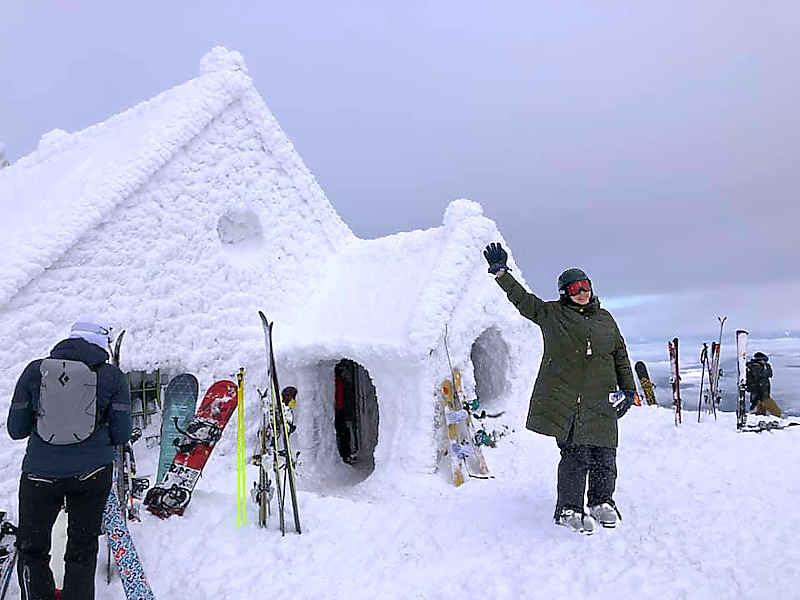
pixel 496 257
pixel 622 401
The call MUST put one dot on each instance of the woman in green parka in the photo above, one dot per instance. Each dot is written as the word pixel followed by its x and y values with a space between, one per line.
pixel 585 384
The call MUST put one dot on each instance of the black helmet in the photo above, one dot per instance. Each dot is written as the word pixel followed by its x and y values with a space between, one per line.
pixel 568 277
pixel 760 356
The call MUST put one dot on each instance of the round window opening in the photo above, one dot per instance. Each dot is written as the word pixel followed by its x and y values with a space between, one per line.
pixel 240 228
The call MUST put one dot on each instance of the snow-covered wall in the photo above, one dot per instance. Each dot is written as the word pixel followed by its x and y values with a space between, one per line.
pixel 184 264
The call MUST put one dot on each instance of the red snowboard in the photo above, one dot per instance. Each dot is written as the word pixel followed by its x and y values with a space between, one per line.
pixel 171 495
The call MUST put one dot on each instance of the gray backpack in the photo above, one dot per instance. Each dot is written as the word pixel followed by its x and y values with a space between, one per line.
pixel 67 402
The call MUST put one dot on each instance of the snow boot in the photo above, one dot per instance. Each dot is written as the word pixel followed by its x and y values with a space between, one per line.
pixel 577 521
pixel 606 514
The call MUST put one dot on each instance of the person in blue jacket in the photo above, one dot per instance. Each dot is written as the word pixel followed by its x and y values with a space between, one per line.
pixel 77 472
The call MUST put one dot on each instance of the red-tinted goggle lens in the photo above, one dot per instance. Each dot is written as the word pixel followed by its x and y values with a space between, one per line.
pixel 576 287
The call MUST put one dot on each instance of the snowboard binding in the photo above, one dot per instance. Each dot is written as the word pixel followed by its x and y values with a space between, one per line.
pixel 198 433
pixel 166 501
pixel 138 486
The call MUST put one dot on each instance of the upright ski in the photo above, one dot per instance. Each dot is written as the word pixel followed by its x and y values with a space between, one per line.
pixel 124 552
pixel 675 379
pixel 703 368
pixel 280 428
pixel 741 364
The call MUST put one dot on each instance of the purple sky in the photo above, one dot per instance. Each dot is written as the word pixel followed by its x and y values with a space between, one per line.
pixel 653 144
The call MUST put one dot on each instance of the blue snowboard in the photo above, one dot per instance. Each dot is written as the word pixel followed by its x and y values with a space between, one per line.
pixel 124 552
pixel 179 401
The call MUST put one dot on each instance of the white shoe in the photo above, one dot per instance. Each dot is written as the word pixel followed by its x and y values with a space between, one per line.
pixel 576 521
pixel 605 514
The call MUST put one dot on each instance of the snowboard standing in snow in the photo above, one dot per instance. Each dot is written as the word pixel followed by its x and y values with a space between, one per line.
pixel 280 430
pixel 180 400
pixel 741 364
pixel 457 448
pixel 675 379
pixel 171 495
pixel 476 463
pixel 460 430
pixel 648 388
pixel 8 553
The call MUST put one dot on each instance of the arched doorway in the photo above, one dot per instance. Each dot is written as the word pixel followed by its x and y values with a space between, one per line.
pixel 489 357
pixel 355 415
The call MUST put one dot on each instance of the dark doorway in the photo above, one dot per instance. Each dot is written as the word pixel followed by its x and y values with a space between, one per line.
pixel 355 414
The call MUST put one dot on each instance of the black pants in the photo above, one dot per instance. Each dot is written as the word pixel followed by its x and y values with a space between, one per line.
pixel 578 461
pixel 40 501
pixel 757 396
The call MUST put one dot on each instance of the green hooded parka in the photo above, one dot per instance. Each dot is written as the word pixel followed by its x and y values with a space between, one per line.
pixel 584 360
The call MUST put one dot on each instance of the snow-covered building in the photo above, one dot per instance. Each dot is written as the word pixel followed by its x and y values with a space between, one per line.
pixel 183 216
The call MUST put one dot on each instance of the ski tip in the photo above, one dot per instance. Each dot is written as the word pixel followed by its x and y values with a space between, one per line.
pixel 738 331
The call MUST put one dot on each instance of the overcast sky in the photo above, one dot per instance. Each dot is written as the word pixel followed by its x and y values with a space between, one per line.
pixel 654 144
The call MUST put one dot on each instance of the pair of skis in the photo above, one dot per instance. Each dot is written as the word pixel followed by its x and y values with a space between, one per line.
pixel 710 363
pixel 274 435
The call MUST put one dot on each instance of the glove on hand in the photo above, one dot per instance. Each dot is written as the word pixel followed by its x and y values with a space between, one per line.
pixel 622 401
pixel 496 257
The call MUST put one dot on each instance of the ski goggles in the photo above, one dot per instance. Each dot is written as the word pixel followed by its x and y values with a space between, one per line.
pixel 576 287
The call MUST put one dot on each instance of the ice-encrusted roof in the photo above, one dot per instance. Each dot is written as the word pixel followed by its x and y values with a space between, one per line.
pixel 72 182
pixel 397 292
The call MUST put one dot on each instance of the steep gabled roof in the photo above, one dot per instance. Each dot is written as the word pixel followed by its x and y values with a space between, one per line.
pixel 52 197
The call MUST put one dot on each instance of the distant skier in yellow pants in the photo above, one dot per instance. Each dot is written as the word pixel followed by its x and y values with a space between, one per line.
pixel 759 372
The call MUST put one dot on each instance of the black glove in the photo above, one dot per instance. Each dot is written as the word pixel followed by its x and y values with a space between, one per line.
pixel 496 257
pixel 622 401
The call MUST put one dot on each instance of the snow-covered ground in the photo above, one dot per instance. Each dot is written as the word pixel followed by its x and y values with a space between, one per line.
pixel 708 513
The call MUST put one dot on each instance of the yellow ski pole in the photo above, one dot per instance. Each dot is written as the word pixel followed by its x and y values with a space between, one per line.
pixel 241 474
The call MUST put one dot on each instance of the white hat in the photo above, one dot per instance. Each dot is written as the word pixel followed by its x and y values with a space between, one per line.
pixel 94 329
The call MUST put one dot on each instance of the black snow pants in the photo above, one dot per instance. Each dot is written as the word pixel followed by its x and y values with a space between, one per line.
pixel 578 461
pixel 40 501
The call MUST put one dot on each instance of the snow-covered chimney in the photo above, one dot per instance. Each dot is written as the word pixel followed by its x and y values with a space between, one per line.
pixel 222 59
pixel 461 209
